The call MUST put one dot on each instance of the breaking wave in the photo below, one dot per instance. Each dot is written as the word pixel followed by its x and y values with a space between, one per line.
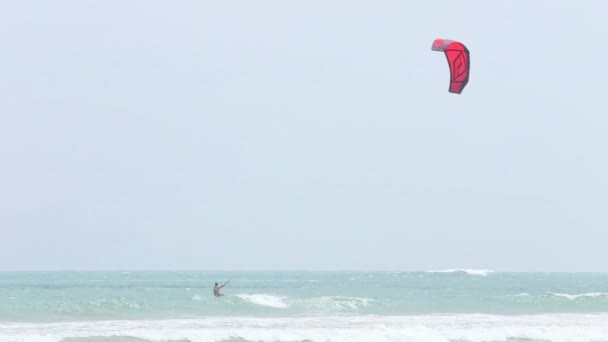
pixel 582 295
pixel 434 328
pixel 264 300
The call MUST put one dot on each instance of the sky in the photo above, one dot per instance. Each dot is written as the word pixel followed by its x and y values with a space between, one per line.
pixel 302 135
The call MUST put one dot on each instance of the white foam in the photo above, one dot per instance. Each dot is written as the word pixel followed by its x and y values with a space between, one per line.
pixel 582 295
pixel 523 294
pixel 115 302
pixel 468 271
pixel 265 300
pixel 338 303
pixel 431 328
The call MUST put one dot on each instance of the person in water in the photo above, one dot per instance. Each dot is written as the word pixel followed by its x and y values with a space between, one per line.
pixel 216 289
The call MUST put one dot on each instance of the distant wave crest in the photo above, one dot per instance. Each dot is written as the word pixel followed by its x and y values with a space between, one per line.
pixel 522 294
pixel 468 271
pixel 581 295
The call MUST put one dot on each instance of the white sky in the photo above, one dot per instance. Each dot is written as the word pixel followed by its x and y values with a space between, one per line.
pixel 302 135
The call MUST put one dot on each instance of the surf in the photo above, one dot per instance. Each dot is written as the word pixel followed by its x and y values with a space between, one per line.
pixel 420 328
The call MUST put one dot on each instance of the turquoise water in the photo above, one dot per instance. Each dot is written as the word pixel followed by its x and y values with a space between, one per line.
pixel 60 296
pixel 71 303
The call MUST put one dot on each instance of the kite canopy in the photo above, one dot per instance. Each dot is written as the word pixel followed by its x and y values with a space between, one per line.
pixel 459 61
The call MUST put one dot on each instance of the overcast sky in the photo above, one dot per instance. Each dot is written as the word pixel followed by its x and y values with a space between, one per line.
pixel 302 135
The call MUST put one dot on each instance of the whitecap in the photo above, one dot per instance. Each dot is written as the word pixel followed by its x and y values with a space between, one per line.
pixel 581 295
pixel 469 271
pixel 523 294
pixel 264 300
pixel 338 303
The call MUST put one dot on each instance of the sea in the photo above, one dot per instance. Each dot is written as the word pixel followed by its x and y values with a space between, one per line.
pixel 457 305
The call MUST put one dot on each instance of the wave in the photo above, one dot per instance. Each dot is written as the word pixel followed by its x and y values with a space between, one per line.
pixel 468 271
pixel 430 328
pixel 322 304
pixel 264 300
pixel 338 303
pixel 115 302
pixel 556 296
pixel 582 295
pixel 523 294
pixel 114 339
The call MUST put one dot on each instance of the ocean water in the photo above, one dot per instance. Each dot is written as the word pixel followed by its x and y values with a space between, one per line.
pixel 450 305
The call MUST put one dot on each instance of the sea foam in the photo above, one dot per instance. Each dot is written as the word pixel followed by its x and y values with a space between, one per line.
pixel 338 303
pixel 581 295
pixel 264 300
pixel 433 328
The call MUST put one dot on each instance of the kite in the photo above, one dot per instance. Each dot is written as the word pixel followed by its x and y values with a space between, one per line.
pixel 459 61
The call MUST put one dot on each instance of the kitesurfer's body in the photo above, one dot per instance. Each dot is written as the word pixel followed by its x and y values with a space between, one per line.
pixel 216 289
